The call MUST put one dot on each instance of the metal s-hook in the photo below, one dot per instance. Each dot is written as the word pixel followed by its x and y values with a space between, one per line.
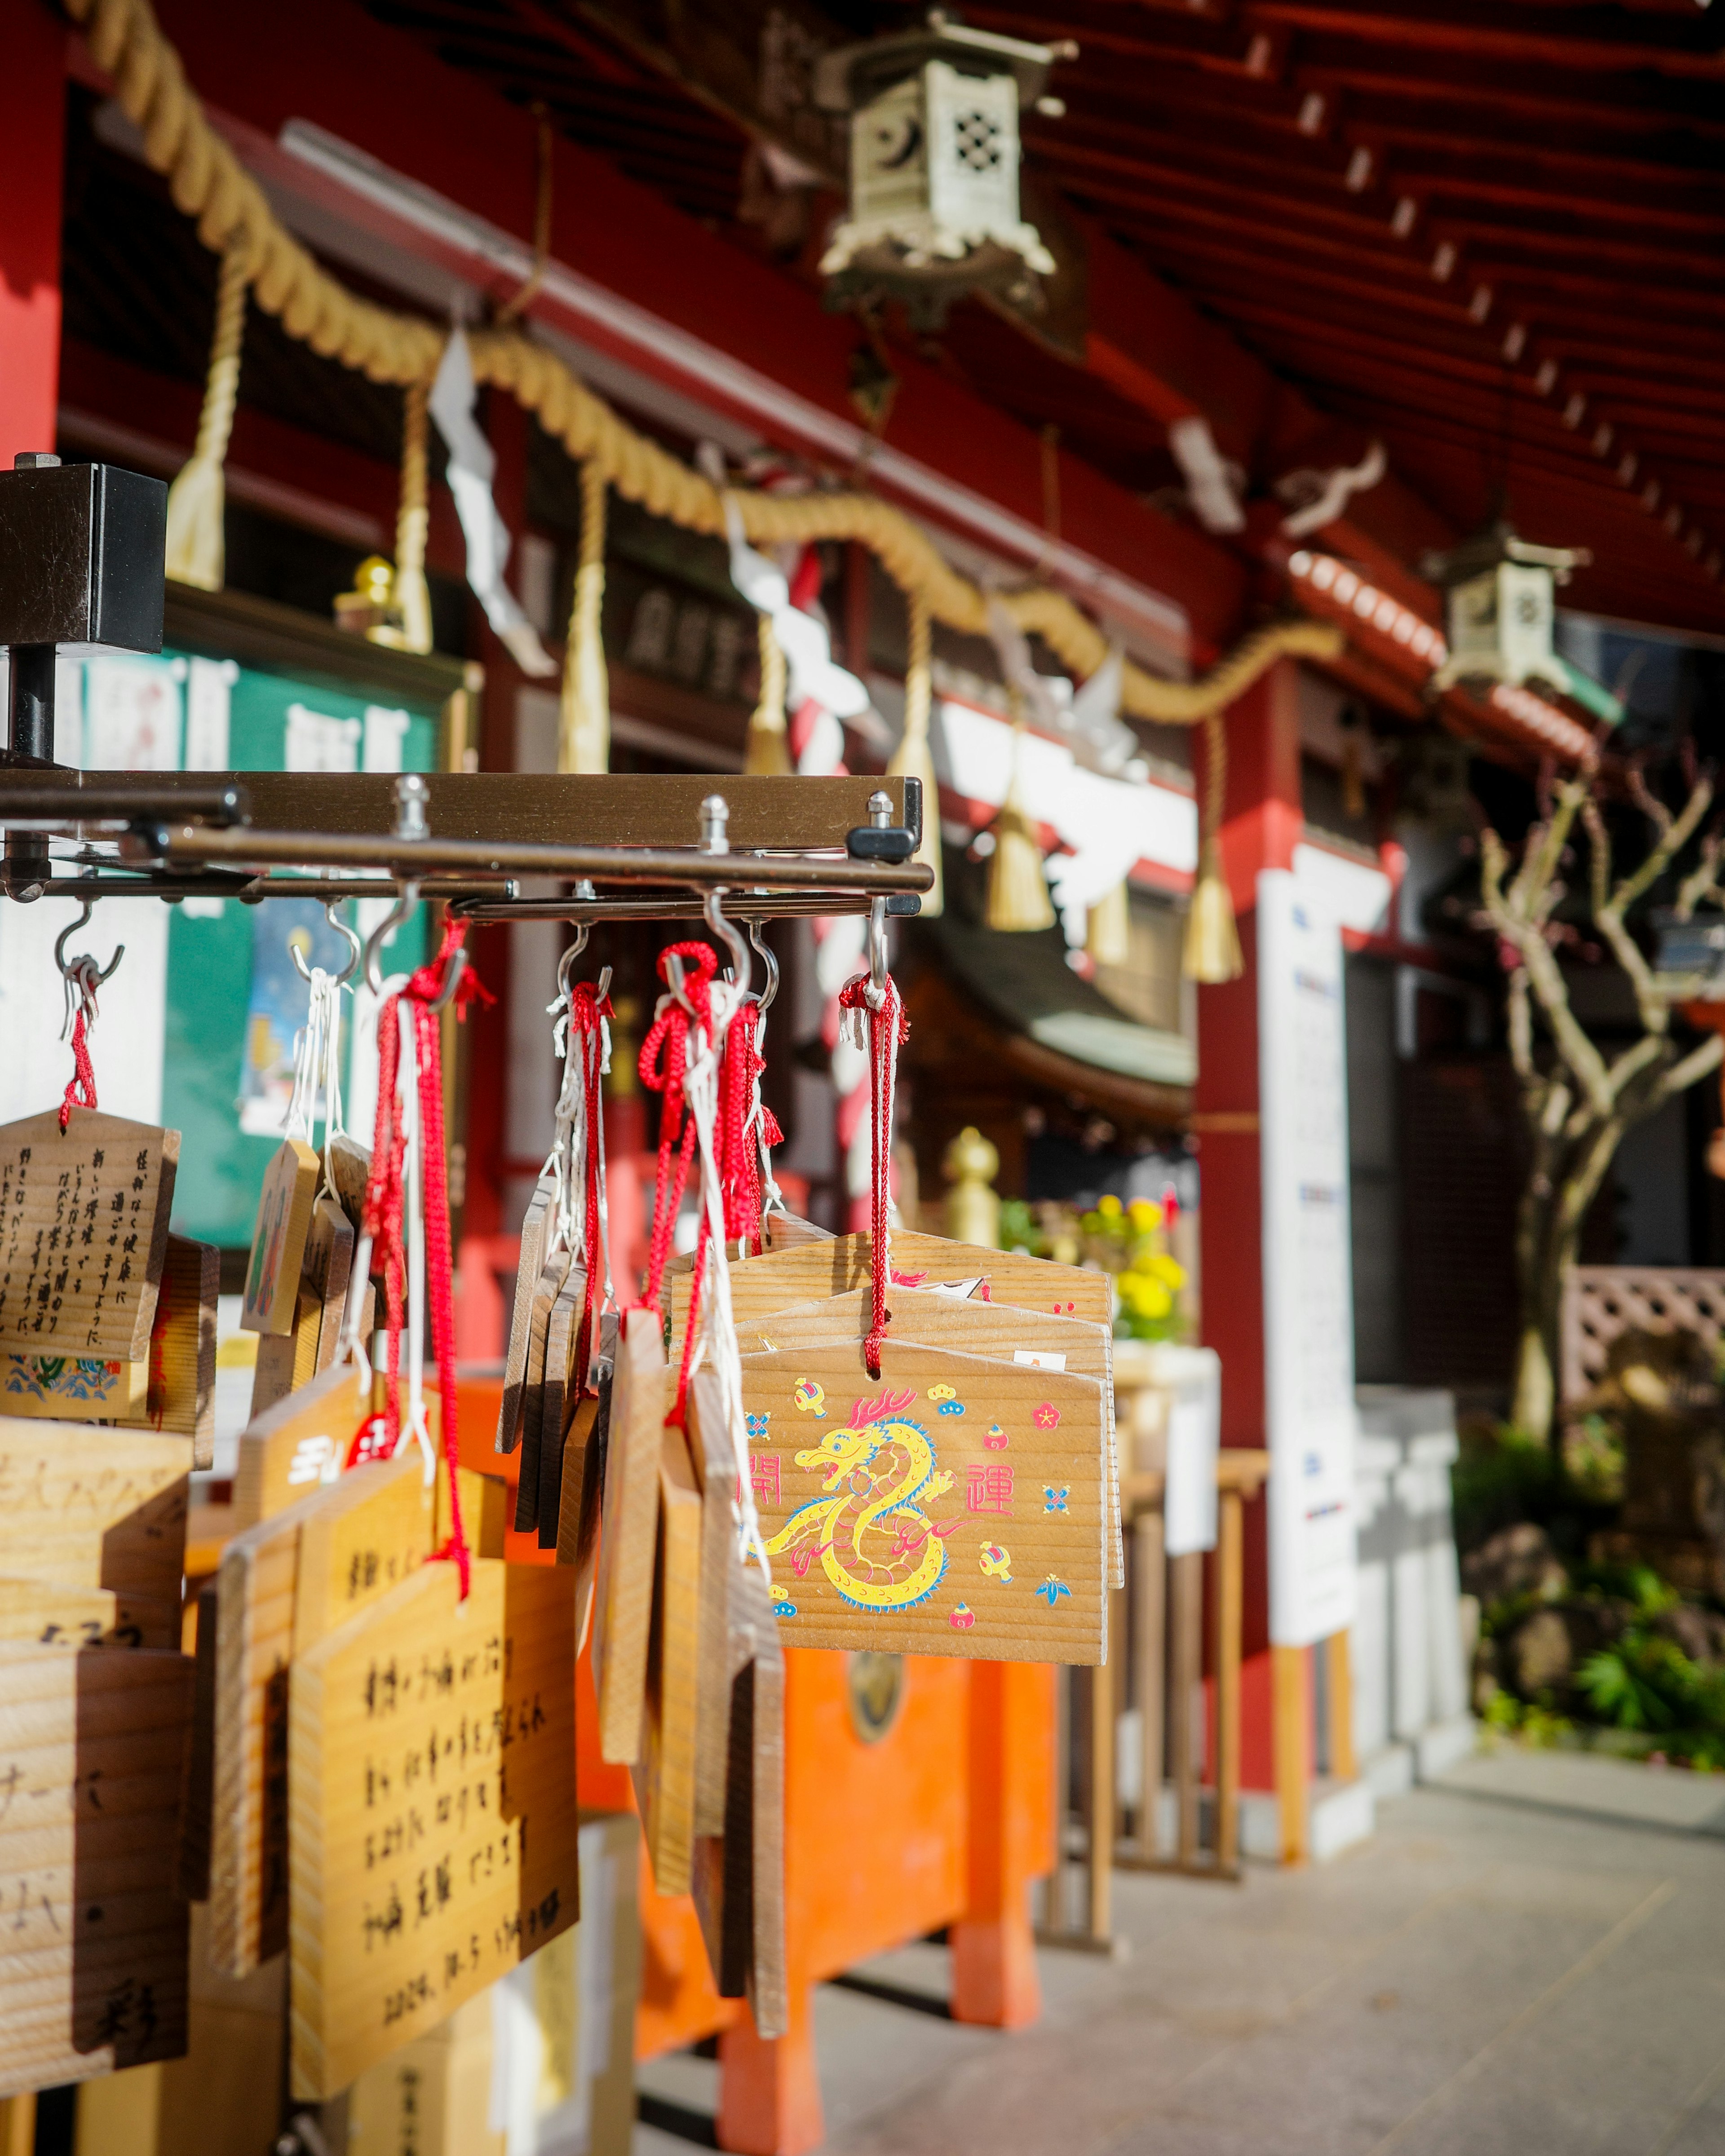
pixel 583 931
pixel 765 1000
pixel 332 915
pixel 84 970
pixel 406 898
pixel 880 815
pixel 713 913
pixel 454 968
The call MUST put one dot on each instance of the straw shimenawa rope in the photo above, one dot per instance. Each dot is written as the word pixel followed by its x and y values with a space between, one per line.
pixel 767 747
pixel 584 720
pixel 1213 952
pixel 197 546
pixel 409 592
pixel 209 183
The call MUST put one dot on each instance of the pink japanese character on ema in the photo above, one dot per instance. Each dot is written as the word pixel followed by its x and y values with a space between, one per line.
pixel 763 1477
pixel 988 1489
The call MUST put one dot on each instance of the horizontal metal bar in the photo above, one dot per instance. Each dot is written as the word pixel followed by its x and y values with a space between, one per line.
pixel 506 808
pixel 252 890
pixel 738 905
pixel 701 871
pixel 54 799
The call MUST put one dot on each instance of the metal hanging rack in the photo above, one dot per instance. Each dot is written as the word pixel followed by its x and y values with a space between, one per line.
pixel 81 549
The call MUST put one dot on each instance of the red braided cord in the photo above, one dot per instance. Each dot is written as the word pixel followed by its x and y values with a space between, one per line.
pixel 80 1086
pixel 588 1010
pixel 663 1066
pixel 386 1205
pixel 888 1028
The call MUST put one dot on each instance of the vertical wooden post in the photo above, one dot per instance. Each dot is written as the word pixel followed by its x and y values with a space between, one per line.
pixel 33 133
pixel 1104 1705
pixel 1338 1692
pixel 1186 1660
pixel 1150 1568
pixel 769 2089
pixel 1230 1542
pixel 994 1980
pixel 17 2125
pixel 1291 1731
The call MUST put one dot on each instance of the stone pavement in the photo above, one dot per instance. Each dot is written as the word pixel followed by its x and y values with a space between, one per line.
pixel 1510 1965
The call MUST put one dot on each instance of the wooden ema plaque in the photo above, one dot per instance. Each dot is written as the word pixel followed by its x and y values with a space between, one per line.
pixel 578 1501
pixel 714 1458
pixel 94 1946
pixel 622 1602
pixel 74 1388
pixel 738 1881
pixel 288 1361
pixel 272 1280
pixel 954 1506
pixel 298 1442
pixel 1032 1338
pixel 89 1507
pixel 329 1266
pixel 817 1271
pixel 664 1777
pixel 283 1585
pixel 44 1614
pixel 83 1232
pixel 183 1346
pixel 563 1333
pixel 536 1233
pixel 434 1823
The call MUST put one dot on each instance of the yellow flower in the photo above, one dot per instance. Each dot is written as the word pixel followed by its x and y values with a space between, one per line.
pixel 1144 1214
pixel 1168 1271
pixel 1109 1207
pixel 1145 1295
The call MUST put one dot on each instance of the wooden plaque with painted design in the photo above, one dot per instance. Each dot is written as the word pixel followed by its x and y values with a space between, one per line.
pixel 435 1829
pixel 954 1505
pixel 272 1278
pixel 83 1232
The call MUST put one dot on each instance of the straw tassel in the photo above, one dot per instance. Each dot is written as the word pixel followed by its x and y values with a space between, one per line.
pixel 766 747
pixel 411 593
pixel 1107 928
pixel 913 757
pixel 197 551
pixel 584 732
pixel 1018 889
pixel 1212 953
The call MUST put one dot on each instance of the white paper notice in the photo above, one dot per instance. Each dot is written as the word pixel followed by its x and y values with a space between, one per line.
pixel 1194 1437
pixel 1308 1295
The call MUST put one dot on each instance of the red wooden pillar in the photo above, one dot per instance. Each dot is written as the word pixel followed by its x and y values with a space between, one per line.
pixel 1261 824
pixel 32 139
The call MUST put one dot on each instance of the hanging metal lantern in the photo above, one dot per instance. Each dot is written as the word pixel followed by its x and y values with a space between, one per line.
pixel 1501 609
pixel 934 165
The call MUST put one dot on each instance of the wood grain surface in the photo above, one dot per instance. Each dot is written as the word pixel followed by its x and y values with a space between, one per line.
pixel 536 1230
pixel 89 1507
pixel 434 1828
pixel 93 1957
pixel 664 1777
pixel 83 1232
pixel 623 1603
pixel 272 1278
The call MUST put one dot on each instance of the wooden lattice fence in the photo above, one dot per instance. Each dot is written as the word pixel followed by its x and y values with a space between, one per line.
pixel 1603 1302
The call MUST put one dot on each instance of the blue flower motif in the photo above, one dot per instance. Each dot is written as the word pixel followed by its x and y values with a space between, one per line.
pixel 1055 1501
pixel 952 1407
pixel 781 1608
pixel 756 1424
pixel 1051 1589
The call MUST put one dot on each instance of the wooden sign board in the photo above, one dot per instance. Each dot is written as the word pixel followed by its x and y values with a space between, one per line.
pixel 93 1507
pixel 272 1280
pixel 83 1231
pixel 622 1606
pixel 283 1585
pixel 302 1441
pixel 956 1505
pixel 738 1880
pixel 546 1293
pixel 535 1231
pixel 786 1231
pixel 432 1762
pixel 819 1270
pixel 47 1614
pixel 93 1957
pixel 664 1777
pixel 183 1346
pixel 1033 1338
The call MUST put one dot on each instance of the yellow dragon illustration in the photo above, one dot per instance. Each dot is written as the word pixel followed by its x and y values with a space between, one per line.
pixel 879 1472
